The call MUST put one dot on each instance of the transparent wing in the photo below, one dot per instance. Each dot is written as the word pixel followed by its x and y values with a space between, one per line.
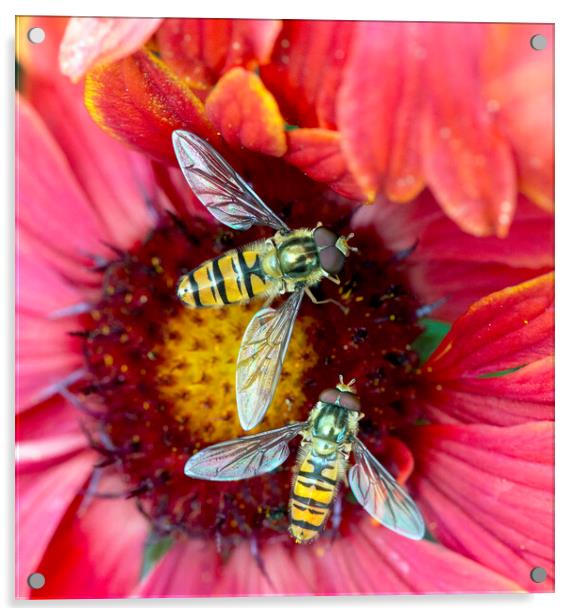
pixel 260 359
pixel 381 496
pixel 242 458
pixel 218 187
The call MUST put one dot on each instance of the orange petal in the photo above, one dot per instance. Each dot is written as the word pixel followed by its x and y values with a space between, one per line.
pixel 467 162
pixel 200 50
pixel 519 87
pixel 317 152
pixel 305 70
pixel 246 113
pixel 140 101
pixel 89 41
pixel 379 103
pixel 503 330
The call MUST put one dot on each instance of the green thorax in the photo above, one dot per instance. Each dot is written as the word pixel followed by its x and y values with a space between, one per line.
pixel 298 256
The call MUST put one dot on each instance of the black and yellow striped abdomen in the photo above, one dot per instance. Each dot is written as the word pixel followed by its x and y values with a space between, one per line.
pixel 234 277
pixel 314 488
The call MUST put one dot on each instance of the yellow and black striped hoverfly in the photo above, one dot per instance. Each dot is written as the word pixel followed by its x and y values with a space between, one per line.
pixel 289 262
pixel 328 437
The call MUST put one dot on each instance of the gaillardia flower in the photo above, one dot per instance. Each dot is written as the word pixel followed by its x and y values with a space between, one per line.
pixel 118 384
pixel 373 108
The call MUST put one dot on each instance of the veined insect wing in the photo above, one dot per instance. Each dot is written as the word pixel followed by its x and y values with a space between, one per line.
pixel 381 496
pixel 261 357
pixel 218 187
pixel 244 457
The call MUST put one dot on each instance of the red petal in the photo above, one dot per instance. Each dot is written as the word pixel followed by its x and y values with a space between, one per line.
pixel 379 103
pixel 42 497
pixel 317 152
pixel 96 552
pixel 503 330
pixel 50 203
pixel 116 181
pixel 246 113
pixel 54 417
pixel 451 264
pixel 370 559
pixel 36 454
pixel 428 567
pixel 242 575
pixel 487 492
pixel 350 565
pixel 47 357
pixel 40 290
pixel 467 163
pixel 140 101
pixel 281 568
pixel 519 86
pixel 518 397
pixel 188 569
pixel 200 50
pixel 90 41
pixel 257 36
pixel 305 71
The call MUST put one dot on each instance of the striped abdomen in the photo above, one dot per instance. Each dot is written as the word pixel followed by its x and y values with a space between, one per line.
pixel 232 278
pixel 314 489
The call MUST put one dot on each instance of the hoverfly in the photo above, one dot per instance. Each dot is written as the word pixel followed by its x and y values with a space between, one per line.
pixel 328 437
pixel 289 262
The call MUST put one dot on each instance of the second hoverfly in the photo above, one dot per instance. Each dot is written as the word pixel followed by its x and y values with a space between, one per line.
pixel 329 436
pixel 291 261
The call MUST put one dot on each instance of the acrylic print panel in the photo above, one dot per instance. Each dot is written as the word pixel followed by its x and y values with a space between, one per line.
pixel 147 382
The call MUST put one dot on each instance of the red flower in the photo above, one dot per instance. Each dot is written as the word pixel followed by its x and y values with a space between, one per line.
pixel 102 339
pixel 377 108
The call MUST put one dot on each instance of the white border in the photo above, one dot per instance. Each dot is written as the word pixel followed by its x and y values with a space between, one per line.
pixel 567 275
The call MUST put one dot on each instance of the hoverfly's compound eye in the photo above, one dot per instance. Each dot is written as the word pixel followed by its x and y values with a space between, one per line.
pixel 331 253
pixel 332 259
pixel 324 237
pixel 344 399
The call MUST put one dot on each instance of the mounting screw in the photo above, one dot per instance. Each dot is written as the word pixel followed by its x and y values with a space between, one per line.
pixel 538 574
pixel 36 35
pixel 36 580
pixel 538 42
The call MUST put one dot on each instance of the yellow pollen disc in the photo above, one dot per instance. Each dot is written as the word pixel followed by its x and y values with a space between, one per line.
pixel 195 373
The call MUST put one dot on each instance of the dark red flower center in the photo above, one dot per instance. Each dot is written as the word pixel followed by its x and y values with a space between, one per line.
pixel 164 375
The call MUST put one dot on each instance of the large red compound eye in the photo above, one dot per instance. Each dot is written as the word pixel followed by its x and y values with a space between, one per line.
pixel 332 259
pixel 344 399
pixel 324 237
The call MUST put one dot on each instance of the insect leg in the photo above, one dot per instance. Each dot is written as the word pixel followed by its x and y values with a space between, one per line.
pixel 312 297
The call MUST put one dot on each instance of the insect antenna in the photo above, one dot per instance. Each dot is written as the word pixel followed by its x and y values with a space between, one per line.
pixel 342 386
